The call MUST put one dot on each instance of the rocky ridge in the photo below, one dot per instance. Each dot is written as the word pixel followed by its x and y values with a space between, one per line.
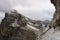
pixel 18 27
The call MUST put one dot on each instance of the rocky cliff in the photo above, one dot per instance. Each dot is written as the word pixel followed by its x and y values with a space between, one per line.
pixel 56 17
pixel 18 27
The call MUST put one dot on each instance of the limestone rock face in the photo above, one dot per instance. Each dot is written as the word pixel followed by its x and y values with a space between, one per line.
pixel 18 27
pixel 56 17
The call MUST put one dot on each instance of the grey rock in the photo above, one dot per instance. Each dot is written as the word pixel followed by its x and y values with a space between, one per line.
pixel 12 25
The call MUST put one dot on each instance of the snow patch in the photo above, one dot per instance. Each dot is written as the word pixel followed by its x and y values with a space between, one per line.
pixel 32 27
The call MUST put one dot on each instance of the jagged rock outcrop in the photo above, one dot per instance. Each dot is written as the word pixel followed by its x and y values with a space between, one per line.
pixel 18 27
pixel 56 17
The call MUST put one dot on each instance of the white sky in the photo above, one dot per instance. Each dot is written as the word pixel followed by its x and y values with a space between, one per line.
pixel 34 9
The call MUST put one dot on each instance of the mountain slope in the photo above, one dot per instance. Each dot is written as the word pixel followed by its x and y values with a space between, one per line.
pixel 18 27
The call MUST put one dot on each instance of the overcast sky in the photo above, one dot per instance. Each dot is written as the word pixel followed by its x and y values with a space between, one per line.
pixel 34 9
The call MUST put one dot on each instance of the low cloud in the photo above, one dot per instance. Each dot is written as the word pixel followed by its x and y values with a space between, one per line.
pixel 34 9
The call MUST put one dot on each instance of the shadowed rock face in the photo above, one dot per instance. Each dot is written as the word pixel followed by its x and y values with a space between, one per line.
pixel 54 2
pixel 13 27
pixel 56 16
